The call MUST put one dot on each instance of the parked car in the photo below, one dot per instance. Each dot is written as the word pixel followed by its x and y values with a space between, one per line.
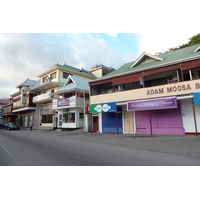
pixel 3 124
pixel 12 126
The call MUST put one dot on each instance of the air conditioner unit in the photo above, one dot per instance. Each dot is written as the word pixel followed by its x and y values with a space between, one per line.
pixel 172 79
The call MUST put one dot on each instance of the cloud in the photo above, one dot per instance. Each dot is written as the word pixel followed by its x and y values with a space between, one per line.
pixel 25 56
pixel 112 34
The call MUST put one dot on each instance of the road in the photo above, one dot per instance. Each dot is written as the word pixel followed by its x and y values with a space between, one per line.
pixel 54 148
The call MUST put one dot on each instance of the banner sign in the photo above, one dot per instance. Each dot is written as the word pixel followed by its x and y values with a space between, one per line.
pixel 152 104
pixel 63 102
pixel 66 101
pixel 196 97
pixel 100 108
pixel 24 95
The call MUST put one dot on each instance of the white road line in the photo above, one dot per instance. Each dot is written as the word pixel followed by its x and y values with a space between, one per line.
pixel 9 153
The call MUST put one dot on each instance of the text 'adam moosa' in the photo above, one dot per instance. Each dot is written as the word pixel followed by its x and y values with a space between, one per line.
pixel 171 89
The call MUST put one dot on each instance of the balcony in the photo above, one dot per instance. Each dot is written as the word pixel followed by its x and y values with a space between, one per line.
pixel 173 89
pixel 69 102
pixel 42 98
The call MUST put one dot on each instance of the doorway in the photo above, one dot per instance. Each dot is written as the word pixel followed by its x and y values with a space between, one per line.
pixel 128 122
pixel 95 124
pixel 21 121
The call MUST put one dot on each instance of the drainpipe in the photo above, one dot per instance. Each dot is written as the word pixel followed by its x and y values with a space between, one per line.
pixel 190 72
pixel 195 122
pixel 177 75
pixel 117 120
pixel 182 76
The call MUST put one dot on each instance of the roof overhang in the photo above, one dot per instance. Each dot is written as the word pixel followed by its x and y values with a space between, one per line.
pixel 15 94
pixel 48 71
pixel 69 90
pixel 148 68
pixel 64 107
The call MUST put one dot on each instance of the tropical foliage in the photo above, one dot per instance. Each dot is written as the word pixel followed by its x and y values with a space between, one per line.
pixel 192 41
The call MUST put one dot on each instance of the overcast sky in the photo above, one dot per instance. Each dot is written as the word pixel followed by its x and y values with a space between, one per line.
pixel 27 55
pixel 37 36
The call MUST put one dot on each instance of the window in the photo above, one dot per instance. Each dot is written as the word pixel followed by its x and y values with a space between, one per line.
pixel 52 76
pixel 65 75
pixel 81 95
pixel 45 79
pixel 102 88
pixel 52 96
pixel 47 118
pixel 87 96
pixel 155 82
pixel 70 94
pixel 81 115
pixel 69 118
pixel 46 109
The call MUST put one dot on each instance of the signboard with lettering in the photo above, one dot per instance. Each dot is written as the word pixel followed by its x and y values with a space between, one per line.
pixel 66 101
pixel 196 97
pixel 24 95
pixel 63 102
pixel 100 108
pixel 152 104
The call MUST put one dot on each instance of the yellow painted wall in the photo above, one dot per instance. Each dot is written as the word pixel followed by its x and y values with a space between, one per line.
pixel 97 72
pixel 175 89
pixel 59 76
pixel 48 74
pixel 78 75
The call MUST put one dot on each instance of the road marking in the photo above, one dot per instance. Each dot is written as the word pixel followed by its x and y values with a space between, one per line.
pixel 9 153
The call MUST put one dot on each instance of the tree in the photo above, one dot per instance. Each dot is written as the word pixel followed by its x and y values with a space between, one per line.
pixel 192 41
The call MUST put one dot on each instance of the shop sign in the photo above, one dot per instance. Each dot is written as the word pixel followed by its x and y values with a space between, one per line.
pixel 152 104
pixel 24 95
pixel 66 101
pixel 54 103
pixel 100 108
pixel 63 102
pixel 196 97
pixel 87 108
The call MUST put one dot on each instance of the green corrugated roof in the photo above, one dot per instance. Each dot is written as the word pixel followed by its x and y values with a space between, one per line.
pixel 168 57
pixel 78 71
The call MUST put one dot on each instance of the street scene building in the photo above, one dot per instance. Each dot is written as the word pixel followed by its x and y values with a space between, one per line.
pixel 3 103
pixel 23 106
pixel 62 94
pixel 155 94
pixel 51 81
pixel 152 95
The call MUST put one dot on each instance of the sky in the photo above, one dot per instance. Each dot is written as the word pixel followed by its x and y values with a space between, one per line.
pixel 26 55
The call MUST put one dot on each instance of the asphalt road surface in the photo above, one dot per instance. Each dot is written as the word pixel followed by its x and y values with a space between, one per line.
pixel 75 148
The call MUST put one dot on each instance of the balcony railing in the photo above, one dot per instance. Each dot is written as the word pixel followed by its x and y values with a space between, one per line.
pixel 42 97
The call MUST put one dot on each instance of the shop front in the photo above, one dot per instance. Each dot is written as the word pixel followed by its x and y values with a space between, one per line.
pixel 160 116
pixel 111 117
pixel 46 115
pixel 70 115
